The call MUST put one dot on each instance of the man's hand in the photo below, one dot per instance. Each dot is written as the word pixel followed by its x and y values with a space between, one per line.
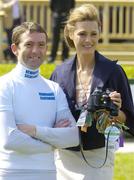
pixel 27 129
pixel 62 123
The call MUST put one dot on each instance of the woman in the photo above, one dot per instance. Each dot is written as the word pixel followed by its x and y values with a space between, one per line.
pixel 79 76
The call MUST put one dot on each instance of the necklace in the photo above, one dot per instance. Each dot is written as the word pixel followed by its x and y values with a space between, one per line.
pixel 84 84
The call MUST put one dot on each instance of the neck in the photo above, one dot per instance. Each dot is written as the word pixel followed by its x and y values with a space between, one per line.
pixel 25 72
pixel 85 62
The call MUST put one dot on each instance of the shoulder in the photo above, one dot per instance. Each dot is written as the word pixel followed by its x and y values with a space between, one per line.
pixel 54 88
pixel 67 65
pixel 103 59
pixel 51 85
pixel 108 70
pixel 106 63
pixel 115 71
pixel 63 71
pixel 6 85
pixel 6 79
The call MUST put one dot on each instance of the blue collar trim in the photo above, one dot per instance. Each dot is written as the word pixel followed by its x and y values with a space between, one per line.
pixel 31 74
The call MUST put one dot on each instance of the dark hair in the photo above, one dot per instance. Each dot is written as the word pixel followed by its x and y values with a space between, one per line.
pixel 26 26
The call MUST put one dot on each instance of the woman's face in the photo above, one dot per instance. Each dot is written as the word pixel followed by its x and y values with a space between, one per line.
pixel 85 37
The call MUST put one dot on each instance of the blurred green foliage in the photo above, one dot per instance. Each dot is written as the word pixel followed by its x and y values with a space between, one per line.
pixel 129 69
pixel 124 166
pixel 47 69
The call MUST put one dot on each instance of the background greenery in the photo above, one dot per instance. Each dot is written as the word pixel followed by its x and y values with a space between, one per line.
pixel 124 166
pixel 47 69
pixel 129 69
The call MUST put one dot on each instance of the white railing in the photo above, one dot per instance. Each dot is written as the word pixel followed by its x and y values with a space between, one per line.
pixel 117 18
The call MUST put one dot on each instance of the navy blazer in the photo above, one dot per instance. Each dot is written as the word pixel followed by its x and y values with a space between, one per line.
pixel 107 74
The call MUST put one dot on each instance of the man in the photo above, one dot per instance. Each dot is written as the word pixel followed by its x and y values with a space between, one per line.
pixel 60 10
pixel 34 115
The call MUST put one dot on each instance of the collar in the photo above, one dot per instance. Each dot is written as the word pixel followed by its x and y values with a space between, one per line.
pixel 25 72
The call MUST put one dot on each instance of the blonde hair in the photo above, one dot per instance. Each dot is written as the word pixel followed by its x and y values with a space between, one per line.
pixel 78 14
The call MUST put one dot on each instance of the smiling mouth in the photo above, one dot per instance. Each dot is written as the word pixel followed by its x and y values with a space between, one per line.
pixel 34 58
pixel 87 45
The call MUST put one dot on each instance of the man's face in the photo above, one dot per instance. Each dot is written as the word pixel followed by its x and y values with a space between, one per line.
pixel 31 50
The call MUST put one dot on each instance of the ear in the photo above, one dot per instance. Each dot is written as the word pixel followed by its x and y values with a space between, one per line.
pixel 14 49
pixel 71 34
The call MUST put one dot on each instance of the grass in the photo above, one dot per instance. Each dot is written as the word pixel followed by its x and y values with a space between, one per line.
pixel 129 69
pixel 47 69
pixel 124 166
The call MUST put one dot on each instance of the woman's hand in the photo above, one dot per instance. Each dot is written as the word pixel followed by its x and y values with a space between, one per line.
pixel 27 129
pixel 116 98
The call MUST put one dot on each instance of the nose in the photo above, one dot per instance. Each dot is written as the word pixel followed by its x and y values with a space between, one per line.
pixel 88 38
pixel 35 49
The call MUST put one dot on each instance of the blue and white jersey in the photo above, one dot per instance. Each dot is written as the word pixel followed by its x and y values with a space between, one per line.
pixel 28 98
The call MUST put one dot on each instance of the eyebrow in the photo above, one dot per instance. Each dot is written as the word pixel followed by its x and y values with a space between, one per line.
pixel 34 41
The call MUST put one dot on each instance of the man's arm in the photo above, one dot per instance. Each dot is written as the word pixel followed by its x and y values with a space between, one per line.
pixel 64 134
pixel 15 140
pixel 11 138
pixel 60 136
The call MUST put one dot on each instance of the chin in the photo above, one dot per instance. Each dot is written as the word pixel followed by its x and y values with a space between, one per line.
pixel 88 52
pixel 33 67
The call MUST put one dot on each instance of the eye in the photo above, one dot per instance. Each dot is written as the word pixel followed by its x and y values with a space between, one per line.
pixel 42 44
pixel 82 34
pixel 28 44
pixel 94 34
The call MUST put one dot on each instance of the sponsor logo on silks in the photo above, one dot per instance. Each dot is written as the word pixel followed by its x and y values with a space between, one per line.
pixel 31 74
pixel 47 96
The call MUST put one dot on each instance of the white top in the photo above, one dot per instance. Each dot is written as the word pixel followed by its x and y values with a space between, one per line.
pixel 26 97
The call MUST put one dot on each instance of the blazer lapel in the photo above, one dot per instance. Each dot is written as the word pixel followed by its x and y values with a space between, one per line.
pixel 70 82
pixel 102 71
